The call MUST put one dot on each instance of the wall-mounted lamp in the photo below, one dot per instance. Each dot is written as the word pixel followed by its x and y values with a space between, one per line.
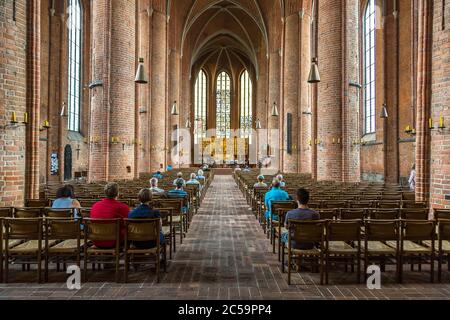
pixel 275 110
pixel 258 124
pixel 140 73
pixel 174 111
pixel 45 126
pixel 384 112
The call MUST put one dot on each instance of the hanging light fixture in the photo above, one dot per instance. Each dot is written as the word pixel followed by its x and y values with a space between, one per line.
pixel 384 112
pixel 174 108
pixel 140 73
pixel 188 124
pixel 258 124
pixel 275 110
pixel 314 75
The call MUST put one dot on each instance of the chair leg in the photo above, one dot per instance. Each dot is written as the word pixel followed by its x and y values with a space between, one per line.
pixel 125 268
pixel 289 267
pixel 117 267
pixel 432 268
pixel 6 275
pixel 174 235
pixel 327 263
pixel 358 269
pixel 440 268
pixel 39 267
pixel 157 267
pixel 46 268
pixel 282 258
pixel 165 258
pixel 273 242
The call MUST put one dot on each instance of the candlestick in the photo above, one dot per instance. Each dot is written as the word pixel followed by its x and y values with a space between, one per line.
pixel 408 129
pixel 25 118
pixel 441 122
pixel 46 124
pixel 430 123
pixel 13 118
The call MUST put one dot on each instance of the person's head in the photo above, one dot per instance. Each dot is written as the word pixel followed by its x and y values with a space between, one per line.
pixel 65 191
pixel 193 176
pixel 179 184
pixel 153 182
pixel 280 177
pixel 180 175
pixel 302 196
pixel 145 196
pixel 276 183
pixel 200 173
pixel 112 190
pixel 260 178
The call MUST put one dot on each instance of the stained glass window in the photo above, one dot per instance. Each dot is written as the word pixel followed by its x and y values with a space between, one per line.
pixel 246 95
pixel 223 106
pixel 74 71
pixel 200 96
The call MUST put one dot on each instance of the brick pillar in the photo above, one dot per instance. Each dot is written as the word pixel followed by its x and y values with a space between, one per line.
pixel 112 103
pixel 13 84
pixel 174 95
pixel 440 106
pixel 274 96
pixel 291 92
pixel 423 100
pixel 351 171
pixel 329 155
pixel 33 97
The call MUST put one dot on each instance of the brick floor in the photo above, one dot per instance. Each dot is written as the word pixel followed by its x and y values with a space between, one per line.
pixel 224 256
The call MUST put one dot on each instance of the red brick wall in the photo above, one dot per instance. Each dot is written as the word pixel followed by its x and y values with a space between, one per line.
pixel 12 99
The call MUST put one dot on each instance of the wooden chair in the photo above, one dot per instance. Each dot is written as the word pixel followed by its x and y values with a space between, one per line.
pixel 388 204
pixel 384 214
pixel 58 213
pixel 87 203
pixel 26 253
pixel 27 213
pixel 443 246
pixel 376 234
pixel 334 204
pixel 68 249
pixel 178 218
pixel 442 214
pixel 360 204
pixel 352 214
pixel 306 232
pixel 413 233
pixel 167 228
pixel 101 230
pixel 37 203
pixel 414 214
pixel 328 214
pixel 273 223
pixel 413 204
pixel 344 243
pixel 143 230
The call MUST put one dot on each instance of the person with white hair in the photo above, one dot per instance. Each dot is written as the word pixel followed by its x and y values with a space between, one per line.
pixel 179 179
pixel 194 180
pixel 154 186
pixel 260 183
pixel 200 175
pixel 281 179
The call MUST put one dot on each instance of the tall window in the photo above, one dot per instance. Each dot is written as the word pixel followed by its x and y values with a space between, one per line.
pixel 246 113
pixel 223 105
pixel 74 74
pixel 200 106
pixel 369 67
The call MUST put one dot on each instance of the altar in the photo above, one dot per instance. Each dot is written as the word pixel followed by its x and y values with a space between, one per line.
pixel 224 151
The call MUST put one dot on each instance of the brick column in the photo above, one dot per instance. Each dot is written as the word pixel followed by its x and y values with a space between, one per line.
pixel 274 96
pixel 13 36
pixel 329 126
pixel 291 92
pixel 440 106
pixel 112 102
pixel 174 95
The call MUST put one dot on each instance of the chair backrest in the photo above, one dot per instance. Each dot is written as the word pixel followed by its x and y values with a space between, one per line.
pixel 327 214
pixel 175 204
pixel 63 228
pixel 286 205
pixel 413 204
pixel 102 229
pixel 382 230
pixel 6 212
pixel 344 230
pixel 307 231
pixel 23 229
pixel 334 204
pixel 388 204
pixel 415 214
pixel 444 229
pixel 58 213
pixel 37 203
pixel 85 212
pixel 142 229
pixel 387 214
pixel 439 214
pixel 88 203
pixel 27 213
pixel 166 215
pixel 417 230
pixel 360 204
pixel 352 214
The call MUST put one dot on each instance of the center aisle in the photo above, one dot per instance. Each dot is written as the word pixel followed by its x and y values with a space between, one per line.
pixel 225 254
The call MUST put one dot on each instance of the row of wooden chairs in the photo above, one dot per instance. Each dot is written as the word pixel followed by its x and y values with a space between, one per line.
pixel 380 241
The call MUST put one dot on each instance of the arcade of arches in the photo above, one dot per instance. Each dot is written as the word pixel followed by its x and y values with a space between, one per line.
pixel 69 67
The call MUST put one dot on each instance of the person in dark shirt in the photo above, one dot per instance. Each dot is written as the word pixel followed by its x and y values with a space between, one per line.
pixel 178 193
pixel 144 211
pixel 301 213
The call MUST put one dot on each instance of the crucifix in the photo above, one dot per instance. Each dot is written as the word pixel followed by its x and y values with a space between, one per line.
pixel 78 152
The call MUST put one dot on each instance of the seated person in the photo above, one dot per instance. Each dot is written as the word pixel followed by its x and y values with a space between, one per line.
pixel 260 183
pixel 281 179
pixel 275 194
pixel 178 193
pixel 179 178
pixel 247 169
pixel 169 168
pixel 154 186
pixel 144 211
pixel 194 180
pixel 158 175
pixel 110 208
pixel 201 175
pixel 302 213
pixel 238 168
pixel 65 199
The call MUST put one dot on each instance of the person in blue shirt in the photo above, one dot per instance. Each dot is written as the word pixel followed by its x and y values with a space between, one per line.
pixel 154 186
pixel 201 175
pixel 158 175
pixel 179 178
pixel 281 179
pixel 145 211
pixel 275 194
pixel 169 168
pixel 178 193
pixel 65 199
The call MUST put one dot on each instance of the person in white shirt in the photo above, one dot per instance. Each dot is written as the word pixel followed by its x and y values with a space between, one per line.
pixel 412 178
pixel 154 186
pixel 179 178
pixel 281 179
pixel 260 183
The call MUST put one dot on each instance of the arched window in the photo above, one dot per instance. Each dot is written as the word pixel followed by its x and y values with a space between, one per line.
pixel 74 72
pixel 200 96
pixel 223 106
pixel 369 66
pixel 246 112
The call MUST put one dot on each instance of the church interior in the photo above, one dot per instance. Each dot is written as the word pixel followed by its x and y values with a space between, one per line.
pixel 225 106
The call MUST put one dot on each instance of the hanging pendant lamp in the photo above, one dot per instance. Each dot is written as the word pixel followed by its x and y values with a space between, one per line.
pixel 174 109
pixel 258 124
pixel 275 110
pixel 384 112
pixel 314 75
pixel 140 73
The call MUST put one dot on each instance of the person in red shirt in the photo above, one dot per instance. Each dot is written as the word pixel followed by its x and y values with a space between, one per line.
pixel 110 208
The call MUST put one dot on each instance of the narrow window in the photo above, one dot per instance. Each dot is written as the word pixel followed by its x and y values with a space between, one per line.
pixel 223 106
pixel 246 116
pixel 369 67
pixel 200 96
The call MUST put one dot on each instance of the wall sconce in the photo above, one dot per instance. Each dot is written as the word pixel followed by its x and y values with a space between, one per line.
pixel 45 126
pixel 336 140
pixel 14 123
pixel 441 123
pixel 153 148
pixel 310 142
pixel 409 130
pixel 115 140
